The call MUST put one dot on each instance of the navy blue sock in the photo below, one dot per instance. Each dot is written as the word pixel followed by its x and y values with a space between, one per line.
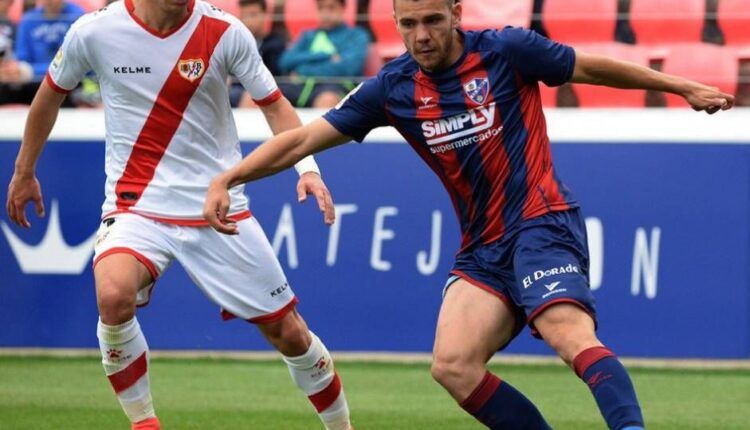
pixel 610 384
pixel 499 406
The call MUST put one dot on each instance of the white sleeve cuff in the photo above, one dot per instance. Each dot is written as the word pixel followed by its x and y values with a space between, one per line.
pixel 307 165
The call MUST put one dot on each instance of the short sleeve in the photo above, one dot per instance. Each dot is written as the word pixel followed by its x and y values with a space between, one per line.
pixel 536 57
pixel 362 110
pixel 70 64
pixel 246 64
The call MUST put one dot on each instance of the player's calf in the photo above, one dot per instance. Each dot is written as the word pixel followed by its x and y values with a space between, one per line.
pixel 311 367
pixel 570 332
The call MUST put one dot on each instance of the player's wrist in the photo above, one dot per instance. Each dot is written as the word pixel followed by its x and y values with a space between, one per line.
pixel 307 165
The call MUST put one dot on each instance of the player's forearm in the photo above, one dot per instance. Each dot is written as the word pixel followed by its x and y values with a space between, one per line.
pixel 39 123
pixel 281 117
pixel 600 70
pixel 277 154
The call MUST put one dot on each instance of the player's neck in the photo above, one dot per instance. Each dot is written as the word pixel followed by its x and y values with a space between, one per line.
pixel 160 18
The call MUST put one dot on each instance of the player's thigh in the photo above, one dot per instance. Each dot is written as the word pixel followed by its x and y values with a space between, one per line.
pixel 130 253
pixel 473 324
pixel 239 273
pixel 119 277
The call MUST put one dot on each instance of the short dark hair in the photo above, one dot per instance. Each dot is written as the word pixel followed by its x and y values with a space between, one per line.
pixel 261 3
pixel 341 2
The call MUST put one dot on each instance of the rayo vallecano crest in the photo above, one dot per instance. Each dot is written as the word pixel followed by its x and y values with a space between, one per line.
pixel 478 89
pixel 191 69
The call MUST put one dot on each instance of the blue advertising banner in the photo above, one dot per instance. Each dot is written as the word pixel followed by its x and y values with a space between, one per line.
pixel 668 227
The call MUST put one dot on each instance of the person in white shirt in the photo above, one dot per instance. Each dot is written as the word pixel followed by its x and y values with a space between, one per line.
pixel 163 67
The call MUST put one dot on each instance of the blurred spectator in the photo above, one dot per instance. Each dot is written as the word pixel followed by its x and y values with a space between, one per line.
pixel 623 31
pixel 743 88
pixel 271 45
pixel 40 34
pixel 711 30
pixel 7 30
pixel 333 49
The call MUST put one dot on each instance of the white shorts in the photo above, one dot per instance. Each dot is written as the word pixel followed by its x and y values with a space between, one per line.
pixel 239 273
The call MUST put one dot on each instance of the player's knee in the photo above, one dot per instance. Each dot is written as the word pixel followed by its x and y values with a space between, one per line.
pixel 568 330
pixel 289 335
pixel 326 100
pixel 116 304
pixel 450 370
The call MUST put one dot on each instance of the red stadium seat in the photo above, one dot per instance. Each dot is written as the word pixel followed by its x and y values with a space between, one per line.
pixel 89 5
pixel 15 11
pixel 231 6
pixel 549 95
pixel 16 8
pixel 483 14
pixel 387 36
pixel 709 64
pixel 734 21
pixel 663 22
pixel 374 61
pixel 586 21
pixel 595 96
pixel 301 15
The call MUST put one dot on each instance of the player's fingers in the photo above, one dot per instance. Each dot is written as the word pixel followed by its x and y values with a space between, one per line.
pixel 301 193
pixel 21 214
pixel 12 212
pixel 39 205
pixel 325 202
pixel 712 109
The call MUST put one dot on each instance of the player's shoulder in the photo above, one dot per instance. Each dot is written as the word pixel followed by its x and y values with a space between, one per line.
pixel 100 19
pixel 209 10
pixel 501 40
pixel 401 68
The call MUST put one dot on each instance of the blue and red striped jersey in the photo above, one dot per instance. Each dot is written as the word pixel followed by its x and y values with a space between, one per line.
pixel 478 124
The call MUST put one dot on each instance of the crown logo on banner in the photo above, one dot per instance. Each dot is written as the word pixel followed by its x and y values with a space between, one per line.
pixel 52 256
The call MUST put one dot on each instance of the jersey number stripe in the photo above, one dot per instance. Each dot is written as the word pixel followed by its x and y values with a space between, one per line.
pixel 166 115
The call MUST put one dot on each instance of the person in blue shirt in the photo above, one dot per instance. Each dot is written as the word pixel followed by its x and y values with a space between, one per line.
pixel 40 34
pixel 332 50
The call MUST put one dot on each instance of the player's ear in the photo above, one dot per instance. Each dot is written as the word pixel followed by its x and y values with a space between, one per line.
pixel 457 12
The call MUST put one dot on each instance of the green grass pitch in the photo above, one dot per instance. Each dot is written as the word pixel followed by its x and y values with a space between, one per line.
pixel 72 393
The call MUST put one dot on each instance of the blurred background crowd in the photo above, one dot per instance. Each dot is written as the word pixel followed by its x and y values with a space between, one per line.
pixel 320 49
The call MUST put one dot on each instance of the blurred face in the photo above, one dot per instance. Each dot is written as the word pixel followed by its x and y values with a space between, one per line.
pixel 254 18
pixel 330 13
pixel 4 6
pixel 428 28
pixel 51 5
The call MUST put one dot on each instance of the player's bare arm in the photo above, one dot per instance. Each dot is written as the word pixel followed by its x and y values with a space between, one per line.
pixel 281 117
pixel 275 155
pixel 24 186
pixel 600 70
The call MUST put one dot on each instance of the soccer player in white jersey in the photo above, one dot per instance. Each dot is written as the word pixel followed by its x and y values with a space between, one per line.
pixel 163 67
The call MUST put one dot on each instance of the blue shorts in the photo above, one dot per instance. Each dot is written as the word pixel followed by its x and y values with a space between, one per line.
pixel 545 260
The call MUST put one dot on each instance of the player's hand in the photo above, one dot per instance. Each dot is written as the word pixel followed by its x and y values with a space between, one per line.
pixel 312 183
pixel 22 190
pixel 216 208
pixel 709 99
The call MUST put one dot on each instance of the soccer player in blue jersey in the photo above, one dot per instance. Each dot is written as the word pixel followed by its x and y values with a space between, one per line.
pixel 469 105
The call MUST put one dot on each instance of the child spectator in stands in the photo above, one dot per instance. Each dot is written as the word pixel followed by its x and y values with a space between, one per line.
pixel 271 45
pixel 332 50
pixel 40 34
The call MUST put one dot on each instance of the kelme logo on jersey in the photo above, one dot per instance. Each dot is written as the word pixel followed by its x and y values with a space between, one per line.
pixel 191 69
pixel 457 126
pixel 478 89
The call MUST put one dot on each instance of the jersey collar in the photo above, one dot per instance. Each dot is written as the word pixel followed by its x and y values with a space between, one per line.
pixel 131 10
